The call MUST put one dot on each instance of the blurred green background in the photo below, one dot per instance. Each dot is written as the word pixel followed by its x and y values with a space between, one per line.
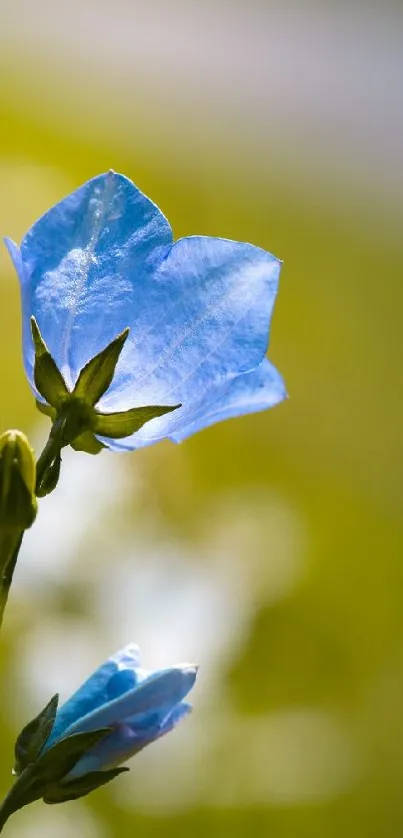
pixel 268 548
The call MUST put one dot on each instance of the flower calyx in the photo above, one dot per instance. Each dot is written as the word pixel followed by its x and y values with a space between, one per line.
pixel 42 771
pixel 76 420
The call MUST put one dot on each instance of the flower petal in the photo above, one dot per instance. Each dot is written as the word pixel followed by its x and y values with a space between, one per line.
pixel 124 742
pixel 248 393
pixel 94 692
pixel 258 390
pixel 28 349
pixel 82 265
pixel 125 680
pixel 201 318
pixel 164 689
pixel 180 712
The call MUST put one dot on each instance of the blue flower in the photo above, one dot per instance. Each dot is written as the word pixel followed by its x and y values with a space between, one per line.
pixel 198 309
pixel 138 706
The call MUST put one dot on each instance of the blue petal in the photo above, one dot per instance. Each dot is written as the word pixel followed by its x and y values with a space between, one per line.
pixel 163 689
pixel 144 723
pixel 121 683
pixel 83 264
pixel 258 390
pixel 248 393
pixel 201 318
pixel 94 692
pixel 128 657
pixel 25 288
pixel 124 742
pixel 116 748
pixel 180 712
pixel 124 680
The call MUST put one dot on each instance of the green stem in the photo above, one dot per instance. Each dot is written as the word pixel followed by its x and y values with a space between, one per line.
pixel 6 809
pixel 10 544
pixel 49 453
pixel 9 805
pixel 21 794
pixel 4 815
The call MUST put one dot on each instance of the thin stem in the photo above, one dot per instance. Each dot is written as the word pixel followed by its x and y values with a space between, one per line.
pixel 21 794
pixel 10 544
pixel 4 816
pixel 49 453
pixel 8 806
pixel 5 811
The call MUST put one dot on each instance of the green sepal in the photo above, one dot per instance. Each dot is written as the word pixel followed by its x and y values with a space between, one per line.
pixel 61 792
pixel 87 442
pixel 97 375
pixel 48 378
pixel 46 409
pixel 119 425
pixel 55 763
pixel 73 419
pixel 17 482
pixel 49 769
pixel 34 736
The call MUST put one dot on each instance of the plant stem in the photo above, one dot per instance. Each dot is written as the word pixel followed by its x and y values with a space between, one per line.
pixel 8 806
pixel 5 811
pixel 50 451
pixel 10 544
pixel 21 794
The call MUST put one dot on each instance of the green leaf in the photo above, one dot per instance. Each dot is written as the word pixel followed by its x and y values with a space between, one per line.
pixel 34 736
pixel 48 379
pixel 59 793
pixel 87 442
pixel 55 763
pixel 97 375
pixel 119 425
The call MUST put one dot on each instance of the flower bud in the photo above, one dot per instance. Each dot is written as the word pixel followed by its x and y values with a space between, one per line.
pixel 17 482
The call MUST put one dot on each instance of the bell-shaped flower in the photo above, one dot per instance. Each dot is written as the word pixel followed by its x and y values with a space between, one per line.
pixel 198 311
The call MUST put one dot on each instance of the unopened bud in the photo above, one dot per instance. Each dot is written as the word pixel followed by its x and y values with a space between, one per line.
pixel 17 481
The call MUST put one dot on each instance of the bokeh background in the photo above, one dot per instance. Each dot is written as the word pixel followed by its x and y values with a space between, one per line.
pixel 269 548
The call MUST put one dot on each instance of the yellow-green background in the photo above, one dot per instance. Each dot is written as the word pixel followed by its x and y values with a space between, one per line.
pixel 268 547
